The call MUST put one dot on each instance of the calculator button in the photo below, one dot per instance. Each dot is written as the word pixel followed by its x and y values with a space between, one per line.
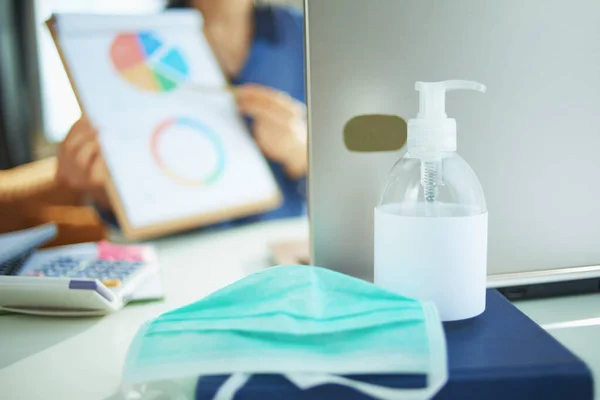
pixel 120 264
pixel 127 273
pixel 102 263
pixel 67 260
pixel 62 266
pixel 112 282
pixel 114 274
pixel 135 266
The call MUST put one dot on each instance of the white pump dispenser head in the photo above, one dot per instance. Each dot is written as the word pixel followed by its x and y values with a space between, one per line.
pixel 432 131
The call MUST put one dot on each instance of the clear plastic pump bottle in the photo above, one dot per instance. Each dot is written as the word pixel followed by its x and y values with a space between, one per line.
pixel 431 223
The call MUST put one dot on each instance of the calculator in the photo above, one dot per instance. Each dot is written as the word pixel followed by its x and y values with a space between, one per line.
pixel 78 280
pixel 112 273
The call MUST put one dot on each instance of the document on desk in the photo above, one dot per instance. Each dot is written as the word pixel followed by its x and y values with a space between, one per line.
pixel 178 152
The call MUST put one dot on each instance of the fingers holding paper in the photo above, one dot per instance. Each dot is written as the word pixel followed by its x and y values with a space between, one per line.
pixel 279 125
pixel 80 164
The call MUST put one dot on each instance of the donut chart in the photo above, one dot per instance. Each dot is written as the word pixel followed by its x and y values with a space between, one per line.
pixel 214 172
pixel 145 61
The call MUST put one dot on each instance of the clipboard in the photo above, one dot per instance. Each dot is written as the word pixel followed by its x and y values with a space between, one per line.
pixel 133 233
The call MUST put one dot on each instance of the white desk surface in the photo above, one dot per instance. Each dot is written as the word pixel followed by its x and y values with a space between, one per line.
pixel 50 358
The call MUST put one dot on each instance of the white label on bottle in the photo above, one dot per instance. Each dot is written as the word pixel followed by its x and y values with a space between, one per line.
pixel 440 259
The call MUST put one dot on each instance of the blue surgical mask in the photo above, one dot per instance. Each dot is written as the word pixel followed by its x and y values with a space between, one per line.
pixel 310 324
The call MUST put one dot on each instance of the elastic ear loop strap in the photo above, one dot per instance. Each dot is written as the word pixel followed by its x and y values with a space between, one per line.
pixel 230 387
pixel 437 377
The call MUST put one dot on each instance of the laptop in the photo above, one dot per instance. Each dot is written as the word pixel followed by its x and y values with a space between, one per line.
pixel 532 139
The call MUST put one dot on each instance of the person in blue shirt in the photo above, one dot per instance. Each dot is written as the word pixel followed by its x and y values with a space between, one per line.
pixel 260 49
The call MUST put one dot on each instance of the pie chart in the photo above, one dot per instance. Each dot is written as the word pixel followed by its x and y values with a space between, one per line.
pixel 188 151
pixel 147 62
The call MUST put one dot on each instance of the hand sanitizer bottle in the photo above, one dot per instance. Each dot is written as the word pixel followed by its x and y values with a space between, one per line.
pixel 431 223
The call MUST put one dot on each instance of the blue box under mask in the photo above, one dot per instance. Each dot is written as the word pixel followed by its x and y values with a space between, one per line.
pixel 501 354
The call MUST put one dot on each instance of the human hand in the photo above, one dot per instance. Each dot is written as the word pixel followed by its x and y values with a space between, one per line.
pixel 279 125
pixel 80 164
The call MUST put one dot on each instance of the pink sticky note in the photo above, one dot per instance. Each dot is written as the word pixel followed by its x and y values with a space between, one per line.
pixel 111 251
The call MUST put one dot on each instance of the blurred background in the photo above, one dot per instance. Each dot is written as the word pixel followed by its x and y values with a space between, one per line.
pixel 37 105
pixel 37 109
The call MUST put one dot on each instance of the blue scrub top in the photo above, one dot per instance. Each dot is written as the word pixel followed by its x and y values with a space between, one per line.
pixel 276 60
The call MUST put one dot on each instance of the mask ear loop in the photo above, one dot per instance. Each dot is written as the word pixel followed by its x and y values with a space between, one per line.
pixel 230 387
pixel 437 378
pixel 438 353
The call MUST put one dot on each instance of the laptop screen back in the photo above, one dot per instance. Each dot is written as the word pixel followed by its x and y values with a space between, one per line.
pixel 533 139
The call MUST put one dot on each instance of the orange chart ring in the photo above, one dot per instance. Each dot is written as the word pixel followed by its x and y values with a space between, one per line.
pixel 202 129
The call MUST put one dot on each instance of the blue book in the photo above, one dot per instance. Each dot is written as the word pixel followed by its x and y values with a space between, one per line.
pixel 501 354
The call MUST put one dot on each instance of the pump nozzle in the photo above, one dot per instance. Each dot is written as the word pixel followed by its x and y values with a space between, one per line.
pixel 432 130
pixel 432 99
pixel 432 133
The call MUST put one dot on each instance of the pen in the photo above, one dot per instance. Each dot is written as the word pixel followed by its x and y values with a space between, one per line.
pixel 209 89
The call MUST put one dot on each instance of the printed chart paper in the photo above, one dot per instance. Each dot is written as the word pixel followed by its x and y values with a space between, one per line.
pixel 170 131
